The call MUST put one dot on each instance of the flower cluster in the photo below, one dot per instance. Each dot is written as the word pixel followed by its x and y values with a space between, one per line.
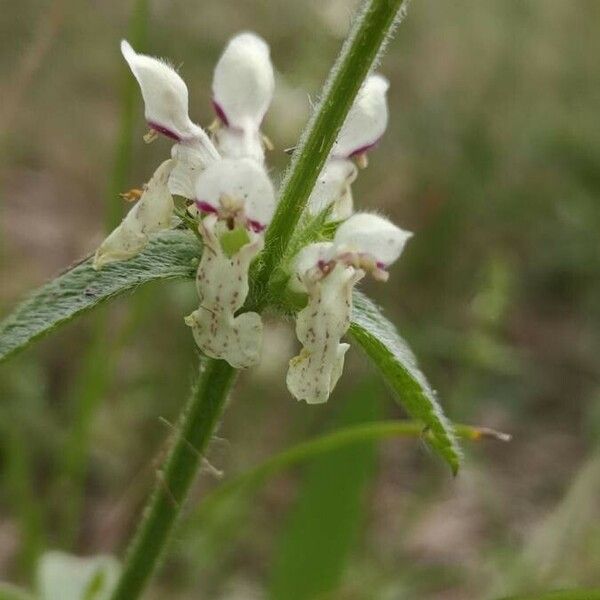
pixel 228 193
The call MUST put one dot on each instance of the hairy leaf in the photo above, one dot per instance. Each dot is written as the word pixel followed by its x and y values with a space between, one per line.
pixel 170 255
pixel 382 343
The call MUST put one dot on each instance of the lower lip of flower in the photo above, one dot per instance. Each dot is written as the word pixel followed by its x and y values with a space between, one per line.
pixel 167 132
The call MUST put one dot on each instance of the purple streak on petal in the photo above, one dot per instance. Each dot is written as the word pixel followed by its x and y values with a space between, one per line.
pixel 256 226
pixel 363 149
pixel 204 206
pixel 160 129
pixel 220 113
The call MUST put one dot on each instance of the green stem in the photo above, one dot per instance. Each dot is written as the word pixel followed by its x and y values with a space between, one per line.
pixel 194 431
pixel 372 26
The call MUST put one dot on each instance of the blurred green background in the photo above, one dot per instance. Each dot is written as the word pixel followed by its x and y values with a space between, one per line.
pixel 492 158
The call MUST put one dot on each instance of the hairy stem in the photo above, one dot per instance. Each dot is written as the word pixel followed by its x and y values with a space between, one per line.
pixel 371 28
pixel 195 429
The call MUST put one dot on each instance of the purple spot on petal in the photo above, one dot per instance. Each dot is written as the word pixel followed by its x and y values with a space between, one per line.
pixel 160 129
pixel 204 206
pixel 381 265
pixel 256 226
pixel 220 113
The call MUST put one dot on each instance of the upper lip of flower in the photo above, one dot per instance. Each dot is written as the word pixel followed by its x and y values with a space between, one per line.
pixel 239 186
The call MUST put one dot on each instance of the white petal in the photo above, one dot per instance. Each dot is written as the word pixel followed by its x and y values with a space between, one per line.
pixel 153 212
pixel 235 143
pixel 190 158
pixel 367 120
pixel 242 180
pixel 243 82
pixel 373 235
pixel 222 283
pixel 165 97
pixel 333 187
pixel 308 258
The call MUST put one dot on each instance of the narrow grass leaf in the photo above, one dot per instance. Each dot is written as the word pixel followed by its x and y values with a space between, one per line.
pixel 323 525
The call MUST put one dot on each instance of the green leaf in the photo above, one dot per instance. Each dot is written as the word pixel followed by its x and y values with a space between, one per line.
pixel 170 255
pixel 383 344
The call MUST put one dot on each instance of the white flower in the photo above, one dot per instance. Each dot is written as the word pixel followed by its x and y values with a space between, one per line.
pixel 365 124
pixel 166 109
pixel 243 87
pixel 165 95
pixel 237 189
pixel 371 242
pixel 239 199
pixel 153 212
pixel 327 272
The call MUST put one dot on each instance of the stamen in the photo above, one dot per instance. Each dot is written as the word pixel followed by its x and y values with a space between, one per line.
pixel 132 195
